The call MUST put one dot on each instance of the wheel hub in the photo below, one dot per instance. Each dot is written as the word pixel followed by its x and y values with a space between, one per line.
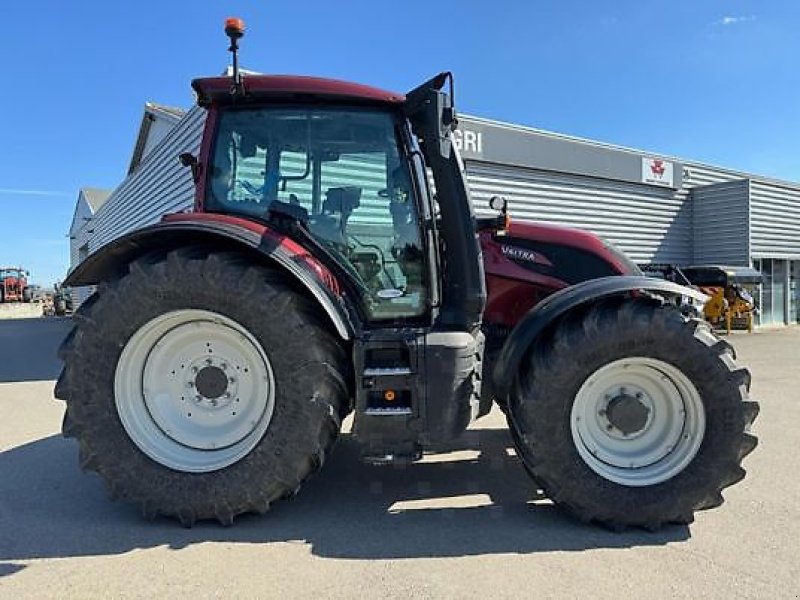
pixel 211 382
pixel 627 413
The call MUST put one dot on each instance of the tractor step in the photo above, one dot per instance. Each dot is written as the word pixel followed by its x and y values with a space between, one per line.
pixel 378 411
pixel 391 458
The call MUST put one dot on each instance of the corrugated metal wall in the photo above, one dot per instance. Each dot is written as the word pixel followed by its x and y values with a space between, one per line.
pixel 774 220
pixel 721 223
pixel 650 224
pixel 160 185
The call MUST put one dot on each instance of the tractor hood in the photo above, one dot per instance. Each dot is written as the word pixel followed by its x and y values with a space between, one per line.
pixel 578 239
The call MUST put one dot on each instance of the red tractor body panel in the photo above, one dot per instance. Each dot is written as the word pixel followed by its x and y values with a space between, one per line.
pixel 299 254
pixel 530 261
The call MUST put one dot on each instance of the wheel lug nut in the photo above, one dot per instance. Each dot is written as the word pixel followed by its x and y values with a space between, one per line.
pixel 194 369
pixel 602 412
pixel 227 394
pixel 609 427
pixel 209 361
pixel 232 380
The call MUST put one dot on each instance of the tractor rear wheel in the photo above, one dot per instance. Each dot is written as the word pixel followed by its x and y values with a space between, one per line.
pixel 630 414
pixel 200 386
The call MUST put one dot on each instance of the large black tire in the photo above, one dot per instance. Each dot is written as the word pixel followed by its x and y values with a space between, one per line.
pixel 308 363
pixel 27 294
pixel 541 419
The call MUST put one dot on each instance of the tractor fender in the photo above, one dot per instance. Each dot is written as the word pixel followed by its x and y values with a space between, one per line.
pixel 525 333
pixel 222 231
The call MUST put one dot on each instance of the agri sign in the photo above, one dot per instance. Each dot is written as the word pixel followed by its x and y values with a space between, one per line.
pixel 468 141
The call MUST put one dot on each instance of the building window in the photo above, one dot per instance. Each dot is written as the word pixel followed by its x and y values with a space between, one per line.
pixel 794 292
pixel 775 297
pixel 779 296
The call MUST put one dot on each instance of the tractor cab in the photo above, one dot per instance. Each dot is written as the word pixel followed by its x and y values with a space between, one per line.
pixel 345 166
pixel 338 174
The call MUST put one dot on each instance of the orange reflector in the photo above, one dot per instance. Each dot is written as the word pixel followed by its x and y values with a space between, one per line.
pixel 506 221
pixel 389 395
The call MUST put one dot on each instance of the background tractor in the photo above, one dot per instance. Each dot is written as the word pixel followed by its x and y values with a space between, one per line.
pixel 320 275
pixel 14 285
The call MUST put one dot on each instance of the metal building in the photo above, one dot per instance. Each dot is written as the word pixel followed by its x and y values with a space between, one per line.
pixel 81 230
pixel 656 208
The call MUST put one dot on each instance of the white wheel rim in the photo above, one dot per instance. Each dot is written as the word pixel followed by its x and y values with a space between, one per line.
pixel 637 421
pixel 194 390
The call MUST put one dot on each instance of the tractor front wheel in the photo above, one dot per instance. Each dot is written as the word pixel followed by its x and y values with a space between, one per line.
pixel 201 386
pixel 630 414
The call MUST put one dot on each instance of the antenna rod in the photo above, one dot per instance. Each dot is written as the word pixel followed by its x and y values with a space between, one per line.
pixel 234 29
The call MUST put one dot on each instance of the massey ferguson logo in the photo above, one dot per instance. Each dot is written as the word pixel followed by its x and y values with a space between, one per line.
pixel 656 171
pixel 658 168
pixel 519 253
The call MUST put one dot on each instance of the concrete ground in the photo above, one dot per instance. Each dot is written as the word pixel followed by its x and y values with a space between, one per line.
pixel 456 525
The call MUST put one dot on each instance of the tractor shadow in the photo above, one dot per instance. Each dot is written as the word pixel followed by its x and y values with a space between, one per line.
pixel 477 501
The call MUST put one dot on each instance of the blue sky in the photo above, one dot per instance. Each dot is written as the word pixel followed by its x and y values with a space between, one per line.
pixel 714 81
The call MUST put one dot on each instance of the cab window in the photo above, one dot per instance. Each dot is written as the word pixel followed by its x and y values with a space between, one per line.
pixel 341 172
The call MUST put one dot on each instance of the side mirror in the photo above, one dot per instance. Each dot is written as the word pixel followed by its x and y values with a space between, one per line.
pixel 190 160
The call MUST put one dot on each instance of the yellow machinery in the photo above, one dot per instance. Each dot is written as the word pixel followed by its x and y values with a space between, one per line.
pixel 729 294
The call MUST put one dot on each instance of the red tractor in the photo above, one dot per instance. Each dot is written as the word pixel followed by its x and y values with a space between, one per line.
pixel 14 285
pixel 320 274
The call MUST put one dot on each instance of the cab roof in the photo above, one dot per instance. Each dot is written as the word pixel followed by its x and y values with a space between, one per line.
pixel 217 90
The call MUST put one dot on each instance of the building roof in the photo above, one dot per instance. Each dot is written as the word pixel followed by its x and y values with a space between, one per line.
pixel 152 111
pixel 173 111
pixel 95 197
